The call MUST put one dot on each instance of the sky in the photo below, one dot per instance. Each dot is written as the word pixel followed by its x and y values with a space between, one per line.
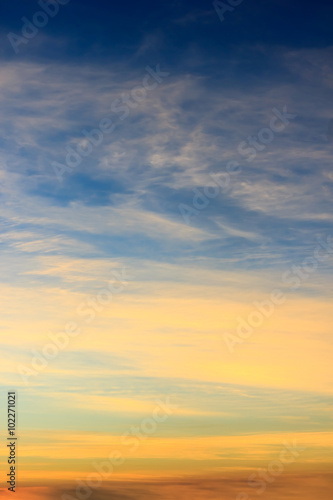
pixel 166 248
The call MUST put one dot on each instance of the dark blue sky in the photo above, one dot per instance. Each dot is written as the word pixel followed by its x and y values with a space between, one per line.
pixel 105 31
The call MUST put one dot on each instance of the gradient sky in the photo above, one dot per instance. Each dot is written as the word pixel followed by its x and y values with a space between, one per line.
pixel 189 280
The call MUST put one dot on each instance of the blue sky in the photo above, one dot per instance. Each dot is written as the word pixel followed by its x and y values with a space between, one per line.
pixel 225 79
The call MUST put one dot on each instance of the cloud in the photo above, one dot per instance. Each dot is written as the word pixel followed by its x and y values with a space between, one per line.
pixel 120 207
